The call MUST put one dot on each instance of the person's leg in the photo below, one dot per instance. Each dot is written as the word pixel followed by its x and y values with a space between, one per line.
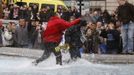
pixel 124 34
pixel 130 37
pixel 78 54
pixel 57 54
pixel 75 52
pixel 72 52
pixel 89 46
pixel 45 55
pixel 58 57
pixel 86 45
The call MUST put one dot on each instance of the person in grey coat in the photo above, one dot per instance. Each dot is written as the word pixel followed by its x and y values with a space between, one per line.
pixel 21 34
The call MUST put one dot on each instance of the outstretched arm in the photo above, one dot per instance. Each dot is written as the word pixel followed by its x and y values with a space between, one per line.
pixel 66 24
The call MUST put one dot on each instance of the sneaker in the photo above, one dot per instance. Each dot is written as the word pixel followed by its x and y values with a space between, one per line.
pixel 60 63
pixel 35 63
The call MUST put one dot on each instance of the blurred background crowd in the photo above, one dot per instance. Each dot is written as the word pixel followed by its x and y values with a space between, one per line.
pixel 99 33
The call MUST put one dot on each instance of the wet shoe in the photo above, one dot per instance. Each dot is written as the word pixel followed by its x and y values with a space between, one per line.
pixel 34 63
pixel 59 63
pixel 74 59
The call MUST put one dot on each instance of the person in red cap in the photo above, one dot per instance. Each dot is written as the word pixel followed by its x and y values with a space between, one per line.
pixel 52 36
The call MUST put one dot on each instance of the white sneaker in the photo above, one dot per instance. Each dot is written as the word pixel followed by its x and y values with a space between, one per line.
pixel 34 63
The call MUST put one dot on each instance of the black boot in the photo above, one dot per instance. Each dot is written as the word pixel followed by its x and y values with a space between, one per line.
pixel 59 60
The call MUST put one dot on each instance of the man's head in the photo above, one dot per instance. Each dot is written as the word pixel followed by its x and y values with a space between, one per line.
pixel 122 2
pixel 22 22
pixel 54 14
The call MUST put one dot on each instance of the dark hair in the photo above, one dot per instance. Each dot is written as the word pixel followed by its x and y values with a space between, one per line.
pixel 52 14
pixel 22 19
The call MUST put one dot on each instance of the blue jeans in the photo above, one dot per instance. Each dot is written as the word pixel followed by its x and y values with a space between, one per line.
pixel 127 33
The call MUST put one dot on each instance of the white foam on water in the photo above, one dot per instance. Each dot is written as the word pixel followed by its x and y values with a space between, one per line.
pixel 25 65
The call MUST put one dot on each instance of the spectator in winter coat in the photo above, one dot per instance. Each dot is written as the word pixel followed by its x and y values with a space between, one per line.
pixel 14 12
pixel 52 36
pixel 105 18
pixel 72 37
pixel 6 12
pixel 22 13
pixel 21 34
pixel 125 14
pixel 32 33
pixel 92 35
pixel 33 30
pixel 66 15
pixel 43 14
pixel 29 14
pixel 113 37
pixel 34 11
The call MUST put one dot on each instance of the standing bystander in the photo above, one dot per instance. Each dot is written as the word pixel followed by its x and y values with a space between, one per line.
pixel 125 14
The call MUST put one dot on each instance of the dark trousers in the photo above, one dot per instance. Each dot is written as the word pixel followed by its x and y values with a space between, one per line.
pixel 74 52
pixel 49 48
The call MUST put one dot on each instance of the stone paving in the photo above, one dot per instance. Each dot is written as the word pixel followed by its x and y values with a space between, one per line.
pixel 110 58
pixel 22 52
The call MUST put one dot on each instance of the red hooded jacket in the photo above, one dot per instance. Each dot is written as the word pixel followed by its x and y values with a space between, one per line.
pixel 55 28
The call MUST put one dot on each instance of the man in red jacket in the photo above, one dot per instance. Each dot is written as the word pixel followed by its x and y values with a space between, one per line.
pixel 52 36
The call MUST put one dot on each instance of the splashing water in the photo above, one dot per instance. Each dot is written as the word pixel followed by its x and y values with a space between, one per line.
pixel 23 66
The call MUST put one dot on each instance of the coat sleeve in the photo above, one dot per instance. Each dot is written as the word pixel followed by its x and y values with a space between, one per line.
pixel 132 12
pixel 66 24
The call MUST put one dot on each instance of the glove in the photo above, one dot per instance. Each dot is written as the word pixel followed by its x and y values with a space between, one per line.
pixel 57 49
pixel 63 47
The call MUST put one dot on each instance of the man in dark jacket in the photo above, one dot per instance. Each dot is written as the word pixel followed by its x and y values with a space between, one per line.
pixel 72 37
pixel 125 14
pixel 43 14
pixel 52 37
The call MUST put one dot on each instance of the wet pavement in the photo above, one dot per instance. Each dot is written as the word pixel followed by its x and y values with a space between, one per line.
pixel 98 58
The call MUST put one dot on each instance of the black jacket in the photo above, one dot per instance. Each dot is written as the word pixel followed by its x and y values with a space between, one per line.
pixel 125 13
pixel 72 36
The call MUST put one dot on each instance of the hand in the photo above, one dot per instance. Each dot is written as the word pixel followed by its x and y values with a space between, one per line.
pixel 57 49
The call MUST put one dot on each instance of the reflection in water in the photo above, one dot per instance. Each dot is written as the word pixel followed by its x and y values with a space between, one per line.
pixel 23 66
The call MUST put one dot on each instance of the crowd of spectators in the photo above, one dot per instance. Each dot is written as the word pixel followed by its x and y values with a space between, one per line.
pixel 101 34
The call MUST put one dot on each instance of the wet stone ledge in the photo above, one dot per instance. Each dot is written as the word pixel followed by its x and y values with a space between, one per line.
pixel 95 58
pixel 109 58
